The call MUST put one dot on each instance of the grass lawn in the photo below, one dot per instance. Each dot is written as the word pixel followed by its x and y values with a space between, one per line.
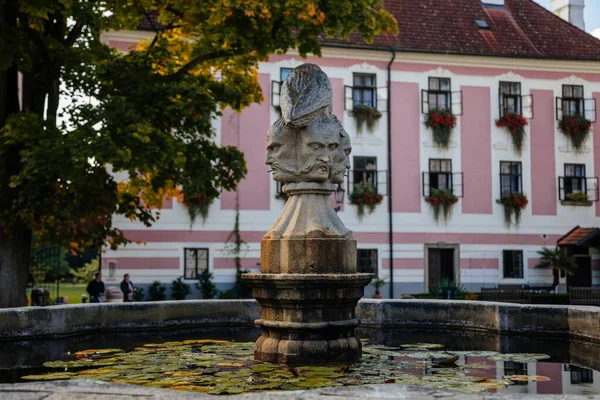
pixel 73 293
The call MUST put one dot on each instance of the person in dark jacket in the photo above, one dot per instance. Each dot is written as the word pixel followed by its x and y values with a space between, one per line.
pixel 96 288
pixel 127 289
pixel 36 296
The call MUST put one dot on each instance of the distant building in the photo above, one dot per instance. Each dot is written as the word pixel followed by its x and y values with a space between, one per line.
pixel 481 60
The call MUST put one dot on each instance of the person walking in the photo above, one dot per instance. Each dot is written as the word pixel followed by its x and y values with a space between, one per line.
pixel 96 288
pixel 36 296
pixel 127 289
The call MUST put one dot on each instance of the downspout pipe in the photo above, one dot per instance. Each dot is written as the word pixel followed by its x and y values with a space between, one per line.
pixel 389 168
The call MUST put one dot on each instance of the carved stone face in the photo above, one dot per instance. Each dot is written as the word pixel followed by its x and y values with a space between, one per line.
pixel 341 161
pixel 319 143
pixel 282 152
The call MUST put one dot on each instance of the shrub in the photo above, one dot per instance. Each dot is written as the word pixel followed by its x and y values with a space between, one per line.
pixel 156 291
pixel 447 289
pixel 138 294
pixel 208 290
pixel 179 289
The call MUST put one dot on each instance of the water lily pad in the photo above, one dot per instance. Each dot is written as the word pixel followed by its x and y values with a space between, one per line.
pixel 97 371
pixel 479 366
pixel 422 346
pixel 435 355
pixel 230 365
pixel 527 378
pixel 68 364
pixel 49 377
pixel 519 357
pixel 99 351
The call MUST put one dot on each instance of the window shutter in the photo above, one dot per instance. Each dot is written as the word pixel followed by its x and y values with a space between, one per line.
pixel 456 102
pixel 275 93
pixel 592 188
pixel 424 101
pixel 500 104
pixel 426 184
pixel 527 104
pixel 457 184
pixel 561 188
pixel 589 109
pixel 559 108
pixel 382 96
pixel 349 100
pixel 112 269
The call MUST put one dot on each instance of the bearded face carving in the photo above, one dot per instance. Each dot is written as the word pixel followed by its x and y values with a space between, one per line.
pixel 308 144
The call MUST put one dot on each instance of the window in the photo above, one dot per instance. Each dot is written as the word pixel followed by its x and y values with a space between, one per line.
pixel 365 171
pixel 515 368
pixel 574 178
pixel 510 98
pixel 510 178
pixel 440 174
pixel 481 24
pixel 439 93
pixel 513 264
pixel 363 91
pixel 580 375
pixel 283 73
pixel 367 261
pixel 196 261
pixel 112 269
pixel 572 100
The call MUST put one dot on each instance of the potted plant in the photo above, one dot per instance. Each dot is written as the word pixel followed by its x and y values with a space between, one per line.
pixel 447 289
pixel 514 204
pixel 515 124
pixel 378 283
pixel 365 197
pixel 441 123
pixel 561 262
pixel 576 128
pixel 579 198
pixel 365 115
pixel 442 202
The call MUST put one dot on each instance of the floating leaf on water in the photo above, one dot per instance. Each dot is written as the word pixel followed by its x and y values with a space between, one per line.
pixel 447 361
pixel 67 364
pixel 475 353
pixel 430 355
pixel 519 357
pixel 99 351
pixel 183 373
pixel 49 377
pixel 230 365
pixel 97 371
pixel 422 346
pixel 206 341
pixel 479 366
pixel 527 378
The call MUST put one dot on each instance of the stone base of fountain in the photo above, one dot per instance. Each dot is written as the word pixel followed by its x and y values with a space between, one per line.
pixel 308 287
pixel 308 318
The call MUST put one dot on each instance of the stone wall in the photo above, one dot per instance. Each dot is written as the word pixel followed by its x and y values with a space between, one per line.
pixel 29 322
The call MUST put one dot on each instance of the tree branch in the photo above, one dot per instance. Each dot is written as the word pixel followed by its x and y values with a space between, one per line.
pixel 204 57
pixel 74 34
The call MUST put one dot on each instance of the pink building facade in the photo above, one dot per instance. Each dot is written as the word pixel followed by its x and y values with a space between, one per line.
pixel 474 246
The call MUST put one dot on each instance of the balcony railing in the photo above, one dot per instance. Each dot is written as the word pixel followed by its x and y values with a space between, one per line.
pixel 453 180
pixel 568 185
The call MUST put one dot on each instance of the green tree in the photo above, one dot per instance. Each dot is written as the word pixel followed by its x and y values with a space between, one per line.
pixel 39 271
pixel 150 118
pixel 559 260
pixel 85 273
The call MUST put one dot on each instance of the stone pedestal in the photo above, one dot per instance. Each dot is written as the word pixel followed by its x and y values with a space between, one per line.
pixel 308 287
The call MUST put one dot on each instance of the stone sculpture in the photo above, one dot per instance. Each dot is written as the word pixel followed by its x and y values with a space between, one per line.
pixel 308 287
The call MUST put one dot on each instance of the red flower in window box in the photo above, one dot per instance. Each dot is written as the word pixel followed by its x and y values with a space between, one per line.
pixel 442 201
pixel 365 114
pixel 365 196
pixel 577 128
pixel 441 122
pixel 515 203
pixel 515 124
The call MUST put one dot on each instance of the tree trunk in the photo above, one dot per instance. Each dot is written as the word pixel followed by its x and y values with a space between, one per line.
pixel 14 262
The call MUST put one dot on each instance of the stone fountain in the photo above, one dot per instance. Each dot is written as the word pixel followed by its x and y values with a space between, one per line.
pixel 308 286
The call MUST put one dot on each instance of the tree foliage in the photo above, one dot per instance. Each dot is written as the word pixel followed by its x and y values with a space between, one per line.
pixel 85 273
pixel 138 125
pixel 559 260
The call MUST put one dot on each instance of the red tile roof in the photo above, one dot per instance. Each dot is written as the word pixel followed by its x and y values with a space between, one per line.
pixel 521 28
pixel 575 236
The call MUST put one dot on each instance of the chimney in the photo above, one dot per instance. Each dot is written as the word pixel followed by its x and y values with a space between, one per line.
pixel 569 10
